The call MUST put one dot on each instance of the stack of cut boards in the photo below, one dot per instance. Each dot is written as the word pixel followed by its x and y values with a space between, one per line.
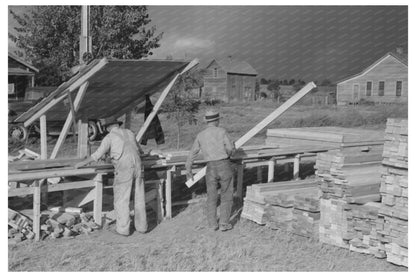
pixel 394 192
pixel 291 205
pixel 349 182
pixel 330 136
pixel 353 176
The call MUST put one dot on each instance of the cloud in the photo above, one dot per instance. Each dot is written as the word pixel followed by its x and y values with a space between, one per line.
pixel 191 43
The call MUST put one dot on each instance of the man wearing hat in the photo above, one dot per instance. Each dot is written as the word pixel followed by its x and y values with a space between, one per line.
pixel 216 147
pixel 121 144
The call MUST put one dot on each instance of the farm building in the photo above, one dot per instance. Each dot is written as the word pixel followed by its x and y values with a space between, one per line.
pixel 385 81
pixel 21 76
pixel 229 80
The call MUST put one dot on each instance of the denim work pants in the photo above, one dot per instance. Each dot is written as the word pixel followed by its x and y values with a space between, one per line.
pixel 219 172
pixel 127 171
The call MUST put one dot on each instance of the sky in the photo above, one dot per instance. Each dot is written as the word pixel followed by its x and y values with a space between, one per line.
pixel 282 42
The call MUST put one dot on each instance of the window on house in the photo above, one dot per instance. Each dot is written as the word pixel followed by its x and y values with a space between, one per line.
pixel 381 88
pixel 215 73
pixel 399 88
pixel 369 88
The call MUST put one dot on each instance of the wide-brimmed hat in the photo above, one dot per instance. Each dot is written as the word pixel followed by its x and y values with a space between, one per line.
pixel 211 115
pixel 110 121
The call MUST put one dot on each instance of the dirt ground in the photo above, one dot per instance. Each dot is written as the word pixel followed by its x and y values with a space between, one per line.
pixel 183 244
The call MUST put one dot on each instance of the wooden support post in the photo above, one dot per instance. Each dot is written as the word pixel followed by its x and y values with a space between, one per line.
pixel 98 201
pixel 240 174
pixel 36 209
pixel 127 122
pixel 82 139
pixel 70 120
pixel 296 164
pixel 270 173
pixel 168 192
pixel 162 97
pixel 260 126
pixel 160 213
pixel 43 138
pixel 259 174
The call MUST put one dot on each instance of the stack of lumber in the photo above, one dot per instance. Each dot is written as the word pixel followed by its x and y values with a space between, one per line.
pixel 330 136
pixel 55 223
pixel 306 214
pixel 394 192
pixel 364 219
pixel 347 180
pixel 272 203
pixel 351 176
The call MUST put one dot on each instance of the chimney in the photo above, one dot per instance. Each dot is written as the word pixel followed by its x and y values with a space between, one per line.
pixel 399 50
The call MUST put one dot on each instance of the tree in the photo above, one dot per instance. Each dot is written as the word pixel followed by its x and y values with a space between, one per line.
pixel 180 105
pixel 263 81
pixel 49 37
pixel 292 82
pixel 274 86
pixel 326 82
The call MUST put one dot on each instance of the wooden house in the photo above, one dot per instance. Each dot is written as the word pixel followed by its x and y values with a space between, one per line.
pixel 21 76
pixel 385 81
pixel 229 80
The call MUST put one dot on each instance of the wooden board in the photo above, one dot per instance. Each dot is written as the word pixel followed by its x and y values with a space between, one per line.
pixel 260 126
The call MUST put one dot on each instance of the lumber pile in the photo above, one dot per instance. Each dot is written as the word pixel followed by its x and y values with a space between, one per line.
pixel 272 204
pixel 394 192
pixel 55 223
pixel 353 177
pixel 364 220
pixel 306 214
pixel 330 136
pixel 347 180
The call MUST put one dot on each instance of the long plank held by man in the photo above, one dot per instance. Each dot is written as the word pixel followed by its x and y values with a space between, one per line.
pixel 260 126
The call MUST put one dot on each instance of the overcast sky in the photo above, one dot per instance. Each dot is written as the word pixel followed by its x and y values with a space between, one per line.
pixel 311 43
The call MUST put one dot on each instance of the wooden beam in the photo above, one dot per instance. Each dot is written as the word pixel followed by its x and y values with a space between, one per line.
pixel 162 97
pixel 270 172
pixel 240 174
pixel 296 163
pixel 82 149
pixel 36 209
pixel 168 192
pixel 98 199
pixel 22 176
pixel 72 87
pixel 260 126
pixel 259 174
pixel 43 138
pixel 160 213
pixel 70 119
pixel 127 122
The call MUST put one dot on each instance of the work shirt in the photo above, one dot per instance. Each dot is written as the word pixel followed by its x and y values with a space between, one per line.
pixel 214 144
pixel 115 142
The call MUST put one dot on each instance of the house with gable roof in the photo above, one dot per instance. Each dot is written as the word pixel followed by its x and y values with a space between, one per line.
pixel 229 80
pixel 384 81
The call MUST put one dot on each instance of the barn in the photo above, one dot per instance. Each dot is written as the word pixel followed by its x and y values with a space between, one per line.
pixel 384 81
pixel 229 80
pixel 21 76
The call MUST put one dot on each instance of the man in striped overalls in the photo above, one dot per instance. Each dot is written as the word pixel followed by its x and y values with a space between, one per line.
pixel 121 144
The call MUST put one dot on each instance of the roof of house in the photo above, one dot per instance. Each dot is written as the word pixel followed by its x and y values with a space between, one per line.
pixel 235 66
pixel 114 87
pixel 21 61
pixel 400 57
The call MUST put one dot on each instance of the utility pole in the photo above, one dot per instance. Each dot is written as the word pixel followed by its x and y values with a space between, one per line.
pixel 85 41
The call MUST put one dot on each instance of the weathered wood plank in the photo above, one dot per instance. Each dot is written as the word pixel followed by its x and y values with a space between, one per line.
pixel 260 126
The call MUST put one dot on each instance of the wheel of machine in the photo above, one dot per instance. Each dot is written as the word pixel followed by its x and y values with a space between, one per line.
pixel 18 132
pixel 92 130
